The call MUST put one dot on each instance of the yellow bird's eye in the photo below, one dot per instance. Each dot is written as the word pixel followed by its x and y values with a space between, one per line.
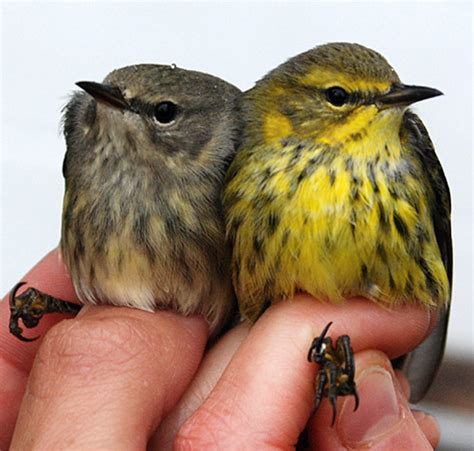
pixel 337 96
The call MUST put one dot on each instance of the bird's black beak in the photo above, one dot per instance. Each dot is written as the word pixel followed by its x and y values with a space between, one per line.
pixel 107 94
pixel 403 95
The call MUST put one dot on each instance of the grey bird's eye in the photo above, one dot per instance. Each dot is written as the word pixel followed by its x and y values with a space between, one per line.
pixel 336 96
pixel 165 112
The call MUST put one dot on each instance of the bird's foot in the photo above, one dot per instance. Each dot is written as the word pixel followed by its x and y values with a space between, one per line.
pixel 336 375
pixel 31 305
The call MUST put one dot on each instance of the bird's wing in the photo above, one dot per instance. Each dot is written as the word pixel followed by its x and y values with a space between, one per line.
pixel 420 365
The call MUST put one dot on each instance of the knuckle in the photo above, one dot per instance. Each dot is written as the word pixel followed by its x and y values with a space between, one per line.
pixel 201 431
pixel 208 428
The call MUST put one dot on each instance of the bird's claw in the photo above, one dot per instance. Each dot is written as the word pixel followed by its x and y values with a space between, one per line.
pixel 20 307
pixel 336 375
pixel 30 306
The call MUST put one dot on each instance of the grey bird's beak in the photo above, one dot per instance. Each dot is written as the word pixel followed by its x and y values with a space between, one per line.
pixel 107 94
pixel 403 95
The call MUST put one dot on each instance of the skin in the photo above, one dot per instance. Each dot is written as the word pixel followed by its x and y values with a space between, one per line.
pixel 54 384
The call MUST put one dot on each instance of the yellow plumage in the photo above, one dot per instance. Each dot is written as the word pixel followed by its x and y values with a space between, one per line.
pixel 333 201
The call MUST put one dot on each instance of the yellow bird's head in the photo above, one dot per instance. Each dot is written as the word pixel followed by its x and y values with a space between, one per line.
pixel 331 94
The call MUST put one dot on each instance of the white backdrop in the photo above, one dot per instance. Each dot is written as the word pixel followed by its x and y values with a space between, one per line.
pixel 47 47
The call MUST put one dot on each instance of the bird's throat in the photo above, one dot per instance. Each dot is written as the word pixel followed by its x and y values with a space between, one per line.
pixel 365 132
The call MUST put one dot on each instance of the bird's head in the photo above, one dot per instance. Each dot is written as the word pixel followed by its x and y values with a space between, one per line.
pixel 330 94
pixel 155 115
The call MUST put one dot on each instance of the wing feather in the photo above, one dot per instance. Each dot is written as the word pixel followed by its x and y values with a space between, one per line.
pixel 421 365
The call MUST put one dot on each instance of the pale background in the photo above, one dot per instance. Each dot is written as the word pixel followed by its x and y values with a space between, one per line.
pixel 47 47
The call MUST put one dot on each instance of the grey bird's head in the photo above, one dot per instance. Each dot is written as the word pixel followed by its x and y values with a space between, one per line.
pixel 154 116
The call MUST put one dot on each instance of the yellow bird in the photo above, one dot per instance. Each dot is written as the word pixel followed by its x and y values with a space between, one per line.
pixel 336 190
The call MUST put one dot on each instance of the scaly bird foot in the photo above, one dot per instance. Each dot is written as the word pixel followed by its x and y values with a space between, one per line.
pixel 31 305
pixel 336 375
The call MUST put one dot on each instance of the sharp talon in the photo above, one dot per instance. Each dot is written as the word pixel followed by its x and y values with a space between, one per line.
pixel 321 338
pixel 26 339
pixel 16 330
pixel 320 384
pixel 334 410
pixel 317 342
pixel 13 294
pixel 325 330
pixel 310 352
pixel 356 396
pixel 315 408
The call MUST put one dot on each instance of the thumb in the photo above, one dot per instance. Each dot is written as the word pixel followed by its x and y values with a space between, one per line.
pixel 383 420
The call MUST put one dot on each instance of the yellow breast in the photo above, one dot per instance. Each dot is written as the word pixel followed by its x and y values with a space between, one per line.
pixel 334 222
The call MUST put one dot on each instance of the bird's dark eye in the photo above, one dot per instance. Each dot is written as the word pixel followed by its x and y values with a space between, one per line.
pixel 165 112
pixel 337 96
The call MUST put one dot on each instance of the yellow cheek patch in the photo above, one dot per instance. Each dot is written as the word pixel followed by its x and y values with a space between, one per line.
pixel 325 78
pixel 276 126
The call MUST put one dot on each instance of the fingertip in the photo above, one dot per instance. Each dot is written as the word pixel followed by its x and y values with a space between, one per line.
pixel 429 425
pixel 383 420
pixel 127 366
pixel 376 413
pixel 394 330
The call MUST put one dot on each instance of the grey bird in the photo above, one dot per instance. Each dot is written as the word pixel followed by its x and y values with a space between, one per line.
pixel 142 223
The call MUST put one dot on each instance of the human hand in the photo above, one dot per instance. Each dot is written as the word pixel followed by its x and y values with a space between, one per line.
pixel 103 380
pixel 254 389
pixel 109 377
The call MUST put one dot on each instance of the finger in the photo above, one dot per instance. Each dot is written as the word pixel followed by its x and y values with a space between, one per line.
pixel 51 276
pixel 429 426
pixel 383 421
pixel 265 395
pixel 404 384
pixel 105 379
pixel 210 370
pixel 16 357
pixel 426 422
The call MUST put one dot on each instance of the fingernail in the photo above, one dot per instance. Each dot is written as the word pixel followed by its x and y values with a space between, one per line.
pixel 378 411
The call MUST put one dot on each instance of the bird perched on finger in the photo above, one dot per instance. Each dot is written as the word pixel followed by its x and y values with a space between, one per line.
pixel 336 190
pixel 142 225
